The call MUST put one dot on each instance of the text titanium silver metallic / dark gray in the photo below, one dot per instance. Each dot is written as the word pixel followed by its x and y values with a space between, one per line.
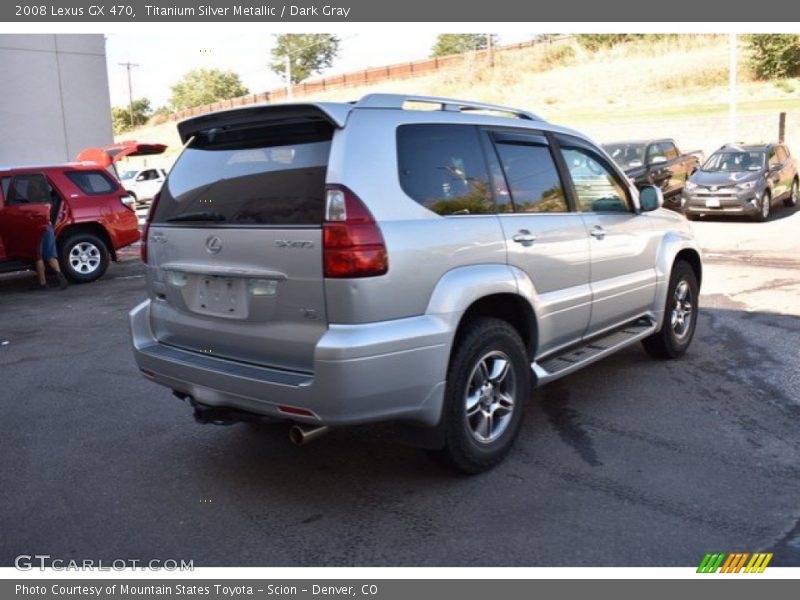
pixel 326 263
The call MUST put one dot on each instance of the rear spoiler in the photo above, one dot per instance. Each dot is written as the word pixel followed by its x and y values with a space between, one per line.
pixel 335 113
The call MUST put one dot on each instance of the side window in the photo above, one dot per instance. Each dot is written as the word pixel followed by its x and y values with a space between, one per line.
pixel 150 174
pixel 443 168
pixel 532 178
pixel 5 183
pixel 597 187
pixel 29 189
pixel 773 157
pixel 670 151
pixel 91 182
pixel 655 153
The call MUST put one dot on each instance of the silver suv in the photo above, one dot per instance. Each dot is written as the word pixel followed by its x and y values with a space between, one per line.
pixel 408 259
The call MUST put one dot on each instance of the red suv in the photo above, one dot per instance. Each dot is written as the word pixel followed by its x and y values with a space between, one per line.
pixel 92 216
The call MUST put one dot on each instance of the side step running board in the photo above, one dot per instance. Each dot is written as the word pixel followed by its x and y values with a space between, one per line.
pixel 557 365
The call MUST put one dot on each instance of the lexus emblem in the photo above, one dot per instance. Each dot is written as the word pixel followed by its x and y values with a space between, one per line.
pixel 213 244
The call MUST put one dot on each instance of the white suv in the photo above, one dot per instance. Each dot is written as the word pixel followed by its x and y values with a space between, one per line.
pixel 143 184
pixel 331 264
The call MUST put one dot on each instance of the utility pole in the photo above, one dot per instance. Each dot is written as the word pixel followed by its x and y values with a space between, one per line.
pixel 288 76
pixel 128 66
pixel 733 68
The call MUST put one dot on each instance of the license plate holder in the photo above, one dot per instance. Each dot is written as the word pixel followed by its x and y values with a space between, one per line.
pixel 712 203
pixel 220 296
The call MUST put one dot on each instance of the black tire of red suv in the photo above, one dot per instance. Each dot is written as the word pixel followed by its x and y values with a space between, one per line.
pixel 666 343
pixel 76 269
pixel 486 339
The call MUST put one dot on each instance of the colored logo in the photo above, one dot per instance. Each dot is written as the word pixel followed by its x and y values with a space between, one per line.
pixel 737 562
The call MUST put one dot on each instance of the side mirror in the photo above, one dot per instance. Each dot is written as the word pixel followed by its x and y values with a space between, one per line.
pixel 658 160
pixel 635 163
pixel 774 168
pixel 140 178
pixel 650 198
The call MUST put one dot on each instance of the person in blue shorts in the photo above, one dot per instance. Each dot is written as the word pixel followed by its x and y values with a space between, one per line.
pixel 49 254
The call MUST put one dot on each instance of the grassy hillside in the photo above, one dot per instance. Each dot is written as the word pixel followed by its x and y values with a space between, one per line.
pixel 675 87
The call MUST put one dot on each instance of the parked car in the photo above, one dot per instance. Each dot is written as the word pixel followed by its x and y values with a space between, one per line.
pixel 656 162
pixel 143 184
pixel 332 264
pixel 740 179
pixel 92 216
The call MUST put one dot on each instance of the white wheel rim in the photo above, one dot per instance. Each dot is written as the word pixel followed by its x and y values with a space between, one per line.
pixel 490 397
pixel 84 258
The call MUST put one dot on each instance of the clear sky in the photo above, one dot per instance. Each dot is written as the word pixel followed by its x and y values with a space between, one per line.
pixel 163 59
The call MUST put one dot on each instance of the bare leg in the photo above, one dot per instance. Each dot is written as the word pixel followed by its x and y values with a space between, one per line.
pixel 40 272
pixel 53 262
pixel 62 281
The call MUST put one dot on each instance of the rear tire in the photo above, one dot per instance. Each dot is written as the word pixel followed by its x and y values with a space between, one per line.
pixel 680 315
pixel 84 257
pixel 488 382
pixel 793 195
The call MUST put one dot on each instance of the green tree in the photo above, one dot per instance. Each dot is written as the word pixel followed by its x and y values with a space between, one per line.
pixel 774 55
pixel 458 43
pixel 203 86
pixel 308 53
pixel 121 115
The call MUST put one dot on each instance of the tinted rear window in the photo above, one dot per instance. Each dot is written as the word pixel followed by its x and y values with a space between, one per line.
pixel 258 175
pixel 91 182
pixel 443 168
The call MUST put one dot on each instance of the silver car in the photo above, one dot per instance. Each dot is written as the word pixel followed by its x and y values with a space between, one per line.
pixel 417 260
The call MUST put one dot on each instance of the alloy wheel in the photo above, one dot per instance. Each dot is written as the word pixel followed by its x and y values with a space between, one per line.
pixel 490 397
pixel 682 310
pixel 84 258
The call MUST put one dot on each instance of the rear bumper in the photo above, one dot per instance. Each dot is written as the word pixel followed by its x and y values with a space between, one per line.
pixel 393 370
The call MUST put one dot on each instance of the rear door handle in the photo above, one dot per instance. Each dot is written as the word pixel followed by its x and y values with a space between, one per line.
pixel 598 232
pixel 524 237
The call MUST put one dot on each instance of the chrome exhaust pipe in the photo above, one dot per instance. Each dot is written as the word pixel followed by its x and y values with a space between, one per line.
pixel 300 435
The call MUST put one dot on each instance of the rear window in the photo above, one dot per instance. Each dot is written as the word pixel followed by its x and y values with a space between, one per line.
pixel 257 175
pixel 443 168
pixel 92 182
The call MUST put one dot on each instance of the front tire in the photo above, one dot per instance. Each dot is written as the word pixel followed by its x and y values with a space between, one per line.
pixel 84 257
pixel 488 382
pixel 793 195
pixel 680 315
pixel 764 207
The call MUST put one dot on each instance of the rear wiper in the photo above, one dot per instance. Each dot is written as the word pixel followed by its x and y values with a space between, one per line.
pixel 198 216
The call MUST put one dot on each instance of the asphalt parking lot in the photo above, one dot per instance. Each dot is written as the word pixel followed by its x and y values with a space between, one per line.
pixel 630 462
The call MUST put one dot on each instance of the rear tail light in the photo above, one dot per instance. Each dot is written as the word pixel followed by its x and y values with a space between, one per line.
pixel 146 231
pixel 128 201
pixel 352 242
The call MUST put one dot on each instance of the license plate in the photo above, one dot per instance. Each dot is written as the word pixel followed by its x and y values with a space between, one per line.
pixel 220 296
pixel 712 202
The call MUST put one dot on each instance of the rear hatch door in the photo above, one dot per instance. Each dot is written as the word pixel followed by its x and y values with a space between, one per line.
pixel 235 243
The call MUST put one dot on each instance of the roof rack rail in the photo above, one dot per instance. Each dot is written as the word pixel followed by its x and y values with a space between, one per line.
pixel 398 101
